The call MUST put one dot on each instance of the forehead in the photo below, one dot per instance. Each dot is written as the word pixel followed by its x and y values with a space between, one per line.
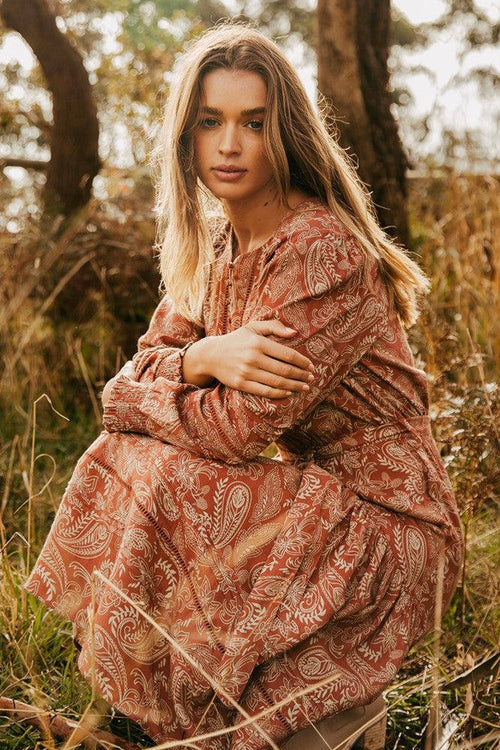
pixel 223 87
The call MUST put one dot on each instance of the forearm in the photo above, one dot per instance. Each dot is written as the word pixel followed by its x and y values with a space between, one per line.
pixel 212 422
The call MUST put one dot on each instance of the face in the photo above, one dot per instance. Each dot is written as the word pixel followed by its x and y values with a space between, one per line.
pixel 229 140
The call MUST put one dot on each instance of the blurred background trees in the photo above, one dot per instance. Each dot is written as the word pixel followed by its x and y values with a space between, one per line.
pixel 353 43
pixel 74 158
pixel 127 48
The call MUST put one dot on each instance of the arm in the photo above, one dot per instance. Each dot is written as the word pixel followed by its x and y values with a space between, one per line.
pixel 338 310
pixel 259 365
pixel 161 348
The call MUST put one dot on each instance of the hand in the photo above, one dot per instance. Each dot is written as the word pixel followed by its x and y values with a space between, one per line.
pixel 127 370
pixel 248 361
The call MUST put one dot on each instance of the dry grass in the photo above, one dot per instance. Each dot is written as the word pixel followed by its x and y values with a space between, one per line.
pixel 72 305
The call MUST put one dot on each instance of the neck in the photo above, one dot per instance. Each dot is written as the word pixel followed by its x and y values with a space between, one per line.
pixel 254 221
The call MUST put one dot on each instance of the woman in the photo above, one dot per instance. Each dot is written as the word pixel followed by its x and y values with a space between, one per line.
pixel 283 322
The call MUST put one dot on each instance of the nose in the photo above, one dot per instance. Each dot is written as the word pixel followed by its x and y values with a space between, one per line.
pixel 229 142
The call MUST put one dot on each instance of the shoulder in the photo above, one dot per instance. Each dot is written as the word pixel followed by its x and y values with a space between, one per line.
pixel 320 247
pixel 315 223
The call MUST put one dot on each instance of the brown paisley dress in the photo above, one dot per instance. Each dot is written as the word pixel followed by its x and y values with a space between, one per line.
pixel 272 573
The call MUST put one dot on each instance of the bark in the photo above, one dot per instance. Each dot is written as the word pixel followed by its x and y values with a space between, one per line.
pixel 74 160
pixel 353 47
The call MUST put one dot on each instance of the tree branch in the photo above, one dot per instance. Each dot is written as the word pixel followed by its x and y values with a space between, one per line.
pixel 74 157
pixel 38 122
pixel 485 669
pixel 37 164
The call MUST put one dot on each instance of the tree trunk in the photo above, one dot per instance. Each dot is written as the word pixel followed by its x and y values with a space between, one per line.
pixel 74 160
pixel 353 47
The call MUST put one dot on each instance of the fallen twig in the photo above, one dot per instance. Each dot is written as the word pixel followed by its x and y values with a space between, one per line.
pixel 62 727
pixel 485 738
pixel 487 668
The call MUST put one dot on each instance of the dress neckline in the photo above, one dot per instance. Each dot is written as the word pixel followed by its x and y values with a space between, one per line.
pixel 256 250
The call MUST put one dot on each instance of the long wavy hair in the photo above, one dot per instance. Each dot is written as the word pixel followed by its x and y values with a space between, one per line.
pixel 300 148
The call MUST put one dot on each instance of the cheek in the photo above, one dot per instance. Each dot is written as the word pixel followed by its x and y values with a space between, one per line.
pixel 254 149
pixel 264 162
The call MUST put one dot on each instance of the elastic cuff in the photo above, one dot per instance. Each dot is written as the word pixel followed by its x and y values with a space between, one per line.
pixel 181 354
pixel 120 405
pixel 170 366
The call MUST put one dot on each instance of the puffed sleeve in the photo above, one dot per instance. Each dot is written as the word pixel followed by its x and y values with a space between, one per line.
pixel 331 293
pixel 160 349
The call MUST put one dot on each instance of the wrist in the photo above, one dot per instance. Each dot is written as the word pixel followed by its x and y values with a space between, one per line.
pixel 196 369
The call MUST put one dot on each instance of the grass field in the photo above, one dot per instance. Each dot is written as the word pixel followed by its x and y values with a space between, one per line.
pixel 72 306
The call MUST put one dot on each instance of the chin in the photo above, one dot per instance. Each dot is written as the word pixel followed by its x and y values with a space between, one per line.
pixel 228 194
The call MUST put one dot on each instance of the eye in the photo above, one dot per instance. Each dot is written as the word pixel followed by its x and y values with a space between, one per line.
pixel 255 124
pixel 209 122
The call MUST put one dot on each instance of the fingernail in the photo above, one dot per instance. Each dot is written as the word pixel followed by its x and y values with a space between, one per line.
pixel 310 377
pixel 292 330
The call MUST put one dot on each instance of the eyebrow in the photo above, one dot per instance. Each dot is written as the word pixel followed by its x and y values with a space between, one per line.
pixel 245 112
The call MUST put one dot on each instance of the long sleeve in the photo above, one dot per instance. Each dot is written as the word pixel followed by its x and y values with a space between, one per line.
pixel 325 288
pixel 159 350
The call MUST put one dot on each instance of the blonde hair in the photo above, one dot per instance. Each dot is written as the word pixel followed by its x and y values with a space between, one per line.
pixel 298 145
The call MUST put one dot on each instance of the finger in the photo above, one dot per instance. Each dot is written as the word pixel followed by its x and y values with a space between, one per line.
pixel 270 327
pixel 287 354
pixel 259 389
pixel 277 382
pixel 283 370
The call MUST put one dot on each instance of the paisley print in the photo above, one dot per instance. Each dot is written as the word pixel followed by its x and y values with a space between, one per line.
pixel 230 513
pixel 271 573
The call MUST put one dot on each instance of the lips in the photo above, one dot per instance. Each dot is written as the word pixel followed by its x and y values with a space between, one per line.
pixel 228 168
pixel 228 172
